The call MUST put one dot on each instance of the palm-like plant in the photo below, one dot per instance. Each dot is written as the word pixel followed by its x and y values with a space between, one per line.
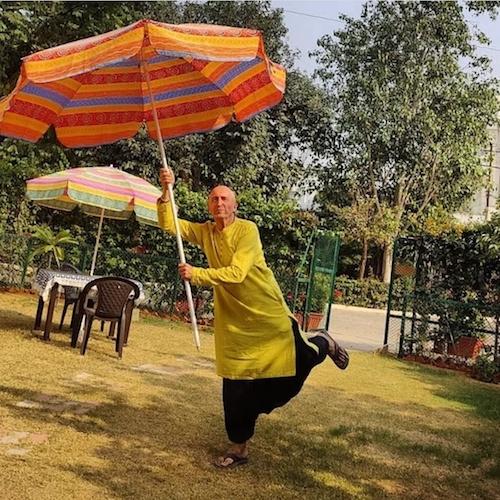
pixel 49 242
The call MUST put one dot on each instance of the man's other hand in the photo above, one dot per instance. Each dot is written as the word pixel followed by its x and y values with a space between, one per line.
pixel 186 271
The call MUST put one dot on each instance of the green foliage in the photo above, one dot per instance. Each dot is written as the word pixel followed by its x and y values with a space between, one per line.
pixel 489 237
pixel 368 292
pixel 456 284
pixel 486 368
pixel 412 102
pixel 48 242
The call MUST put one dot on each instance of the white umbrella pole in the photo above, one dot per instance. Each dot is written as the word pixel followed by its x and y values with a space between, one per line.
pixel 98 237
pixel 180 246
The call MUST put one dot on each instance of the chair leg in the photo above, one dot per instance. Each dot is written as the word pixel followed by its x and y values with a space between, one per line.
pixel 128 320
pixel 73 316
pixel 120 337
pixel 65 308
pixel 117 341
pixel 112 325
pixel 75 328
pixel 88 327
pixel 102 326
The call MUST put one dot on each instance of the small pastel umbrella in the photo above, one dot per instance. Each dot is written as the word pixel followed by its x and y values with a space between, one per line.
pixel 175 79
pixel 105 192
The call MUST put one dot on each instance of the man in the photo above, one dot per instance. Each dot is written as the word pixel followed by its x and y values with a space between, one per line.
pixel 260 352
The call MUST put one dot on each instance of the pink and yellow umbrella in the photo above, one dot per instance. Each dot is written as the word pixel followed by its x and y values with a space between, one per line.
pixel 175 79
pixel 105 192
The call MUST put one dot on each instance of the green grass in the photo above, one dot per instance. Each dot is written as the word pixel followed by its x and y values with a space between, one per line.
pixel 382 429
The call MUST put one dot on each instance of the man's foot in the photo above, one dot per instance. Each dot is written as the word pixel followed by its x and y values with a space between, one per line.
pixel 230 460
pixel 338 354
pixel 237 454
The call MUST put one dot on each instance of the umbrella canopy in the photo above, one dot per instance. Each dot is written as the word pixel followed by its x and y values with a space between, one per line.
pixel 100 191
pixel 97 190
pixel 99 90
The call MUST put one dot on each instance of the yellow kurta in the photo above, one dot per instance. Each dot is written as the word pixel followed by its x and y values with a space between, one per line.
pixel 253 333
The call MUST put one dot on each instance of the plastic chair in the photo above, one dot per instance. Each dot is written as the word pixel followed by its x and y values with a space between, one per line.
pixel 106 299
pixel 71 294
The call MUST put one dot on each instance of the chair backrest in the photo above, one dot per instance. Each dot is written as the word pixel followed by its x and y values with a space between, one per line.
pixel 112 293
pixel 66 266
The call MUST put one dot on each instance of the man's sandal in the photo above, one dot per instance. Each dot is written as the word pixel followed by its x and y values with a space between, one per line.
pixel 338 354
pixel 233 459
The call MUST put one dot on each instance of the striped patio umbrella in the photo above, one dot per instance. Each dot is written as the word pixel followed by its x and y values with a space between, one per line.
pixel 99 191
pixel 101 89
pixel 175 79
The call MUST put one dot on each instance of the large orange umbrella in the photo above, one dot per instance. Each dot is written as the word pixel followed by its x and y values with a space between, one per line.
pixel 177 79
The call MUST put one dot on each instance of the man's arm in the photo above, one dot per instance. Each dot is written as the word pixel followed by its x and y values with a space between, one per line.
pixel 190 231
pixel 244 257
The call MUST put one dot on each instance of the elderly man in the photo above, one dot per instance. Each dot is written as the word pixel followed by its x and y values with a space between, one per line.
pixel 261 354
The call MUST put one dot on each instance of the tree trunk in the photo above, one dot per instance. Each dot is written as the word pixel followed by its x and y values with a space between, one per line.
pixel 387 263
pixel 364 258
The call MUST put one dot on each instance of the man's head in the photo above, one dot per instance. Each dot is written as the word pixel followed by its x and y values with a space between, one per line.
pixel 222 204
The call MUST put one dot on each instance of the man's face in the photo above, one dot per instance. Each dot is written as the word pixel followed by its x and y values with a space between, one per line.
pixel 222 203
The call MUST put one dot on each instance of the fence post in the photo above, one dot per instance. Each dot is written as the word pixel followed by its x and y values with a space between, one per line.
pixel 389 299
pixel 403 326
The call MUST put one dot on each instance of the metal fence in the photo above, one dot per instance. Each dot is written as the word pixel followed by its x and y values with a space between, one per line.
pixel 443 300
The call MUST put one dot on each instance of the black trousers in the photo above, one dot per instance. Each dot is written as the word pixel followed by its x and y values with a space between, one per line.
pixel 245 400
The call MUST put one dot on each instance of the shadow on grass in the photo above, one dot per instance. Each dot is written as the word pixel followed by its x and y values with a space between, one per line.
pixel 346 448
pixel 16 320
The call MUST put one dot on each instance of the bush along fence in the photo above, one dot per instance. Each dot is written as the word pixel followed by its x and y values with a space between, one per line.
pixel 444 304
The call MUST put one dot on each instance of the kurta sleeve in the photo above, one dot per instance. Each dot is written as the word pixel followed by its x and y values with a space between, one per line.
pixel 245 254
pixel 190 231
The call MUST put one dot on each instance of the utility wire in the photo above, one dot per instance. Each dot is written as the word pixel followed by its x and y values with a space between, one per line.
pixel 313 15
pixel 487 47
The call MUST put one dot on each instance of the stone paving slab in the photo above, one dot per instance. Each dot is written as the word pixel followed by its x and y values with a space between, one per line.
pixel 84 379
pixel 47 402
pixel 169 370
pixel 14 443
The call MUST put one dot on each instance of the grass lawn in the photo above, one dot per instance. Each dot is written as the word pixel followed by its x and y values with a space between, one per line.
pixel 95 427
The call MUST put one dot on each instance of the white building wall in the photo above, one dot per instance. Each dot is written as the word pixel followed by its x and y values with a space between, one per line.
pixel 485 201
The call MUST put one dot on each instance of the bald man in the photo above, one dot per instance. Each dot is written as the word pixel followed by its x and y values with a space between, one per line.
pixel 260 352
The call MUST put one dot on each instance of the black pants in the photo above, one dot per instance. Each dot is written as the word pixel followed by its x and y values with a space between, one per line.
pixel 245 400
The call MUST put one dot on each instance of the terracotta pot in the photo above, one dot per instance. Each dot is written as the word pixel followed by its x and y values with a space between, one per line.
pixel 313 320
pixel 466 347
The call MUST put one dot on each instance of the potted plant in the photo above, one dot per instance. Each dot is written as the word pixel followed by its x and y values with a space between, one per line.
pixel 318 301
pixel 466 347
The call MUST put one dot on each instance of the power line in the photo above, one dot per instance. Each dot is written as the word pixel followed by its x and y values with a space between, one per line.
pixel 487 47
pixel 313 15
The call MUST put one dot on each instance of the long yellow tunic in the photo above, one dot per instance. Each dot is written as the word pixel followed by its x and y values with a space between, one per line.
pixel 253 334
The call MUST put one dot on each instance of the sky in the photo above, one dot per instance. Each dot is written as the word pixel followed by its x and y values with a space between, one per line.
pixel 309 20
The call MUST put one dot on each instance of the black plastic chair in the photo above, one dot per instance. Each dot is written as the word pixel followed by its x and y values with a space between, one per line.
pixel 106 299
pixel 71 294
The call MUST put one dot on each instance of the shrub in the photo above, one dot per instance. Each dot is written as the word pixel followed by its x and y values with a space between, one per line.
pixel 363 293
pixel 486 368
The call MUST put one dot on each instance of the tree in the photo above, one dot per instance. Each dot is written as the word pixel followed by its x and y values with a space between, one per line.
pixel 410 118
pixel 48 242
pixel 364 222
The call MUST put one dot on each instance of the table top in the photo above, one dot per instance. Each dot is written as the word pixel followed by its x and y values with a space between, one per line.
pixel 45 279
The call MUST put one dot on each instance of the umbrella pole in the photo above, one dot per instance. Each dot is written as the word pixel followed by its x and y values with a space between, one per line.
pixel 180 246
pixel 98 237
